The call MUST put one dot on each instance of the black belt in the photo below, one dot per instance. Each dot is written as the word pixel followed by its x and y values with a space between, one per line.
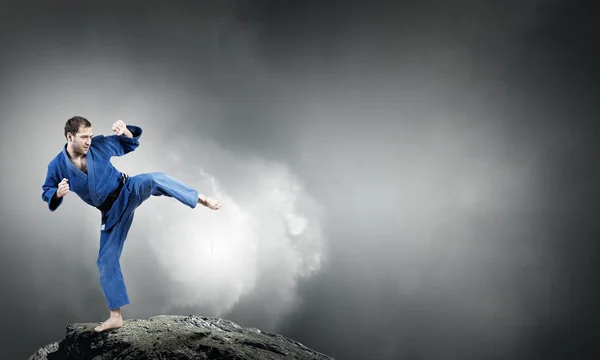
pixel 110 199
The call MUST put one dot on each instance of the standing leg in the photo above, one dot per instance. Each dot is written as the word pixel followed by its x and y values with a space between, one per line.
pixel 142 186
pixel 109 269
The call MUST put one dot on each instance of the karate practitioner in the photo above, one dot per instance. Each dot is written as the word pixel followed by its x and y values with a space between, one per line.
pixel 83 166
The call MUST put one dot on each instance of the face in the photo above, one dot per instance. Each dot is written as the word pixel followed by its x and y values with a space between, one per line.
pixel 81 142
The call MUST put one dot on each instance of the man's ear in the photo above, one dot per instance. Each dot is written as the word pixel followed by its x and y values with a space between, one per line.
pixel 69 136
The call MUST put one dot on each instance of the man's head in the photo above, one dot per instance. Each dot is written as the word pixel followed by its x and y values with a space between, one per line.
pixel 78 131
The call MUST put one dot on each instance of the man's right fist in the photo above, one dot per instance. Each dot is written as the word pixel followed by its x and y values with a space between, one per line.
pixel 63 188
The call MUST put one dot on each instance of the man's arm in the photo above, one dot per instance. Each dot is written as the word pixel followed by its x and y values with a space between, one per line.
pixel 125 140
pixel 50 187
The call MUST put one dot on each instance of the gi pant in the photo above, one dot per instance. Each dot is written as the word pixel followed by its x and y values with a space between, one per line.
pixel 139 187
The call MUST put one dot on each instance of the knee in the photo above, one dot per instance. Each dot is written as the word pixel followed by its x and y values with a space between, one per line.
pixel 149 180
pixel 104 263
pixel 149 183
pixel 157 178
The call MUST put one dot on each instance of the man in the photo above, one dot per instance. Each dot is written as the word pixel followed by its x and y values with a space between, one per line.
pixel 84 167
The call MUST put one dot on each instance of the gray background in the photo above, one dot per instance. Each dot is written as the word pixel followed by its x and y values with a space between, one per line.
pixel 399 180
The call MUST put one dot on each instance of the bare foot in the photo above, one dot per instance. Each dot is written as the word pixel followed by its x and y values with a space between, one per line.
pixel 213 204
pixel 111 323
pixel 208 202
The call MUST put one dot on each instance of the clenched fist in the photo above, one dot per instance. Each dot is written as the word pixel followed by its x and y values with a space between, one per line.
pixel 63 188
pixel 119 127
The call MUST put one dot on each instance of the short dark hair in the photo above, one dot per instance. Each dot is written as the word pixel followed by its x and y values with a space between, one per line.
pixel 74 123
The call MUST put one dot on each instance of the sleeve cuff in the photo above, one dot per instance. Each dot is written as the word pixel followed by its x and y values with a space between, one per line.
pixel 136 131
pixel 54 202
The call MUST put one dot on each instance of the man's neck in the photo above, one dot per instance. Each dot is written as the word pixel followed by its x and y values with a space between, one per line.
pixel 72 154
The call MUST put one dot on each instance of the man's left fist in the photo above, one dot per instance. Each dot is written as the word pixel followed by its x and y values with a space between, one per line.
pixel 119 127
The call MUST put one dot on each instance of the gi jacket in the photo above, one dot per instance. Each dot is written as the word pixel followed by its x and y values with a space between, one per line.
pixel 101 179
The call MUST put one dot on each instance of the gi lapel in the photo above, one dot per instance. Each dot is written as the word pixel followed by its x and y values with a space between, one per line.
pixel 91 176
pixel 75 169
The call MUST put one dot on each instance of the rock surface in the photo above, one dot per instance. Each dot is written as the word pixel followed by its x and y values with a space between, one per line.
pixel 173 337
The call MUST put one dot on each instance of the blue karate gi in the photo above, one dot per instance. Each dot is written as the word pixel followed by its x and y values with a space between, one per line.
pixel 94 188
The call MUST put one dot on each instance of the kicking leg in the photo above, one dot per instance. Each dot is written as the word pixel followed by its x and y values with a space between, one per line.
pixel 160 184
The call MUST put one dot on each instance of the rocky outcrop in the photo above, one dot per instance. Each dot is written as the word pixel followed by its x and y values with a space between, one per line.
pixel 175 338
